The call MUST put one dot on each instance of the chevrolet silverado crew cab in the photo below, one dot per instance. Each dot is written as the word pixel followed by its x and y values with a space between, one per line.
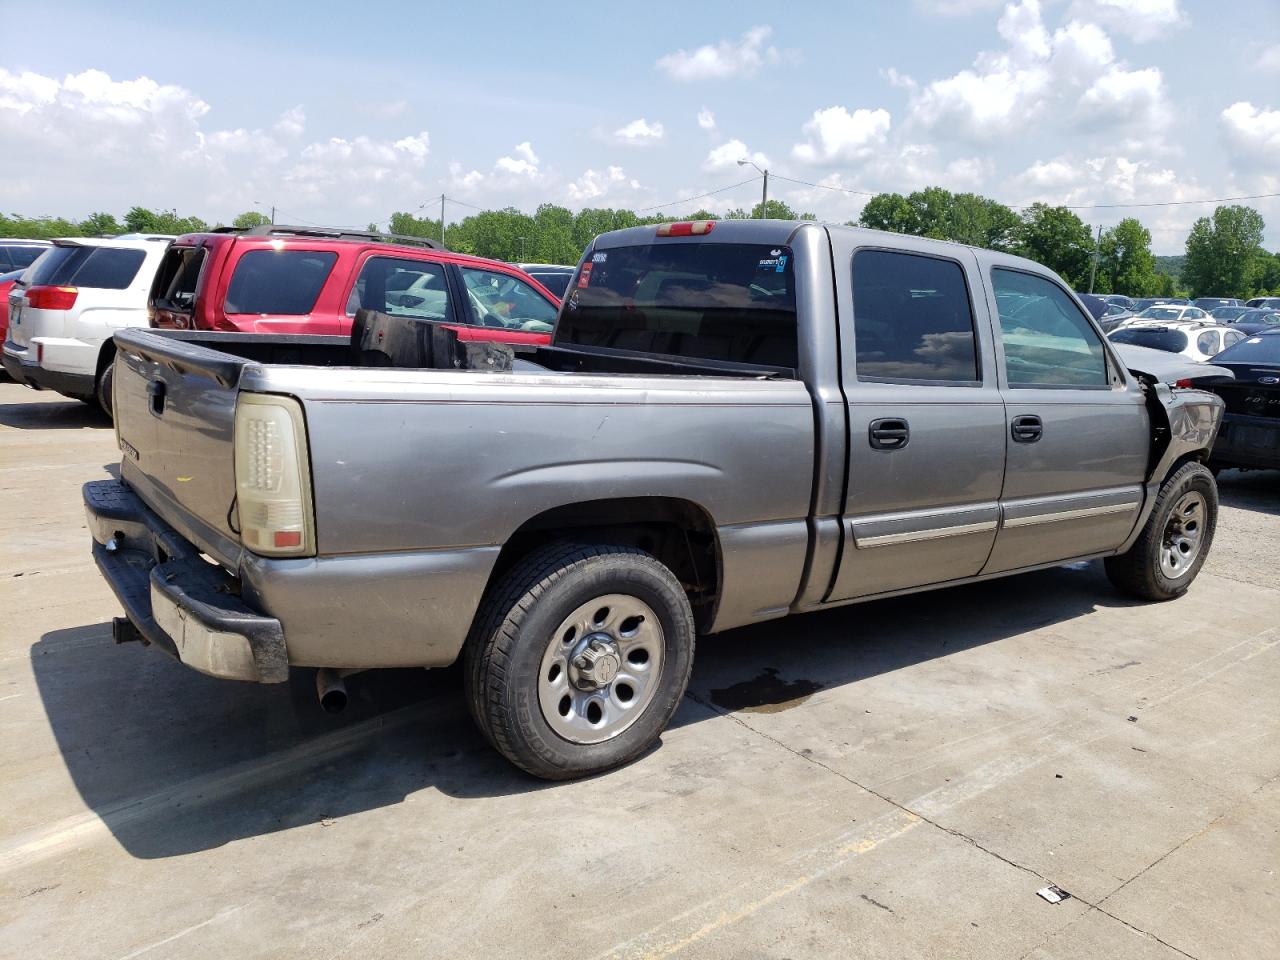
pixel 735 421
pixel 308 280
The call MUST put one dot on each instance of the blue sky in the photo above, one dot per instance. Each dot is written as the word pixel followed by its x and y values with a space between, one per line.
pixel 341 114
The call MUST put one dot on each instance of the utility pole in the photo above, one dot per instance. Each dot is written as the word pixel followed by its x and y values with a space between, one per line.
pixel 442 219
pixel 764 196
pixel 523 256
pixel 273 214
pixel 1093 270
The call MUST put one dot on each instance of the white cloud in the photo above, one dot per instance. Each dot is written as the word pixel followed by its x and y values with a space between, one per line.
pixel 523 164
pixel 1114 179
pixel 593 185
pixel 639 132
pixel 1071 74
pixel 1140 20
pixel 728 154
pixel 292 122
pixel 1269 59
pixel 706 119
pixel 1022 27
pixel 727 58
pixel 27 91
pixel 1081 51
pixel 1133 98
pixel 901 80
pixel 1051 174
pixel 1252 134
pixel 836 134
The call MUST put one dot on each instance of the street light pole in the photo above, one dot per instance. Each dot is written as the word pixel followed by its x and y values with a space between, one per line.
pixel 764 195
pixel 1097 248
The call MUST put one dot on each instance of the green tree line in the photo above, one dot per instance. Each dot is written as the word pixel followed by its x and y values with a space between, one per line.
pixel 1224 254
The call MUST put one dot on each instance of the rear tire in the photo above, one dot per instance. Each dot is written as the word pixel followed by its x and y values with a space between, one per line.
pixel 579 658
pixel 1168 554
pixel 102 392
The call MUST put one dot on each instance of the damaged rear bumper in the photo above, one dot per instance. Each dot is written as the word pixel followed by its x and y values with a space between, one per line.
pixel 177 600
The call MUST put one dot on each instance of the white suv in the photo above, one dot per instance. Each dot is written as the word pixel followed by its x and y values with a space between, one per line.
pixel 65 308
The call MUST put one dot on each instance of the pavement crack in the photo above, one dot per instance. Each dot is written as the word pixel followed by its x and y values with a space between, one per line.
pixel 961 835
pixel 1199 833
pixel 808 757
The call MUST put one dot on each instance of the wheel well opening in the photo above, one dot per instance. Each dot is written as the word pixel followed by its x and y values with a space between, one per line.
pixel 105 356
pixel 677 532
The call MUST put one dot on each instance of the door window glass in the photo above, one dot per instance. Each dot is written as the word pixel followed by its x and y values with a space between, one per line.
pixel 912 319
pixel 279 282
pixel 403 287
pixel 501 300
pixel 1047 340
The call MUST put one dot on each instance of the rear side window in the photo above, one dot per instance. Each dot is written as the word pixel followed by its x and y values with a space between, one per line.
pixel 501 300
pixel 407 288
pixel 1047 340
pixel 1207 342
pixel 731 302
pixel 279 282
pixel 19 256
pixel 174 287
pixel 103 268
pixel 912 319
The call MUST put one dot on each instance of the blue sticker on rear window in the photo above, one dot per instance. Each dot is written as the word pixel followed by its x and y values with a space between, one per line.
pixel 778 264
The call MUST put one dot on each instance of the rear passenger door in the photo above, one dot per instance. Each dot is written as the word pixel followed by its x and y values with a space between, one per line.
pixel 1077 425
pixel 926 421
pixel 401 286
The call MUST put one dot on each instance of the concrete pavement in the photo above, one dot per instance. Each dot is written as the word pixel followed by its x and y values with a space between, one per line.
pixel 894 779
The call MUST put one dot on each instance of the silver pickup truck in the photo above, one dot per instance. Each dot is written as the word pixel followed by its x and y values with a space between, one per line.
pixel 736 421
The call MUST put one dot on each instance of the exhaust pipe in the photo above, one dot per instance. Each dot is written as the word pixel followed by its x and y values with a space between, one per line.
pixel 332 691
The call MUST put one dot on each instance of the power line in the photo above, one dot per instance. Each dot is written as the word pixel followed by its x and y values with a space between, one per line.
pixel 825 186
pixel 710 193
pixel 1166 203
pixel 1023 206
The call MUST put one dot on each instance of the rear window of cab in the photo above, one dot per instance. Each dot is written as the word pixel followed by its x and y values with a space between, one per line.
pixel 727 302
pixel 278 282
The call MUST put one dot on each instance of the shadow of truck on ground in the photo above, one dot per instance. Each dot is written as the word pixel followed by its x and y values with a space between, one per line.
pixel 175 762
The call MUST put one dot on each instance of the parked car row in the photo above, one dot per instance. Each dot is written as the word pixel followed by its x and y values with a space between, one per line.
pixel 64 309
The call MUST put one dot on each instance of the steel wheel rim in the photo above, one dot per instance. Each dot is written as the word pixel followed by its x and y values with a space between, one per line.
pixel 1183 535
pixel 589 705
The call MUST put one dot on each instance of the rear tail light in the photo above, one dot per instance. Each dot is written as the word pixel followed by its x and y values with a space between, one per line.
pixel 273 477
pixel 1184 383
pixel 52 298
pixel 686 228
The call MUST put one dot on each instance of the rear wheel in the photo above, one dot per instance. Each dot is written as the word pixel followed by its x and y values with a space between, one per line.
pixel 1168 554
pixel 579 659
pixel 102 392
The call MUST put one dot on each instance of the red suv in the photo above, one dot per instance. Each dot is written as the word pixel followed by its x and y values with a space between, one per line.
pixel 277 279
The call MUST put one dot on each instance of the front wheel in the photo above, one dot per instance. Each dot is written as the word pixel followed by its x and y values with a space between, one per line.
pixel 579 659
pixel 1173 545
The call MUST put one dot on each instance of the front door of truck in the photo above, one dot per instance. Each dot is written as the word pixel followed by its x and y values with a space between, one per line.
pixel 926 421
pixel 1079 433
